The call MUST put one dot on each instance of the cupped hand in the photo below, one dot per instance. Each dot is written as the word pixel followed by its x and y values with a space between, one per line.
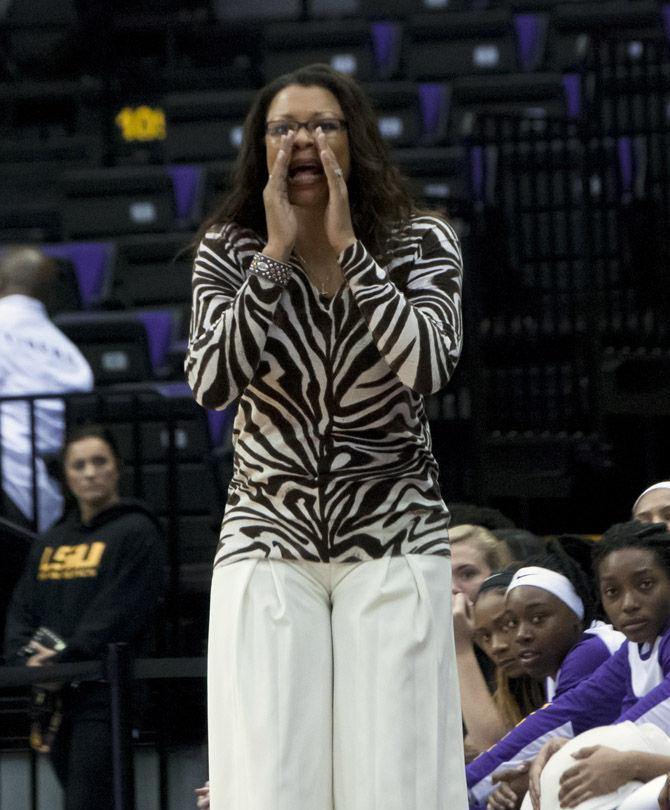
pixel 544 755
pixel 464 626
pixel 599 770
pixel 280 218
pixel 337 222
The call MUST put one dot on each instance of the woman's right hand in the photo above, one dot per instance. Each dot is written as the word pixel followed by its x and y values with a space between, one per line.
pixel 544 755
pixel 280 218
pixel 461 608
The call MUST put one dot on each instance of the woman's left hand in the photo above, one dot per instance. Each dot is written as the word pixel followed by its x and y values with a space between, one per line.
pixel 339 230
pixel 598 771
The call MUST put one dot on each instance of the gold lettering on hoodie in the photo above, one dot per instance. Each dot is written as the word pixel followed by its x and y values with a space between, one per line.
pixel 71 562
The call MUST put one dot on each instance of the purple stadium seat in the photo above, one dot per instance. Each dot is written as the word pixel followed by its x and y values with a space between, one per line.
pixel 159 326
pixel 91 262
pixel 531 32
pixel 187 183
pixel 220 425
pixel 434 102
pixel 573 94
pixel 386 45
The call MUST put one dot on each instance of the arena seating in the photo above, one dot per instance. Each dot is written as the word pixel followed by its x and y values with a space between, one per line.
pixel 539 126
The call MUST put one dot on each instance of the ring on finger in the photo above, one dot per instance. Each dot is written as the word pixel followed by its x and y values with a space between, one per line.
pixel 339 172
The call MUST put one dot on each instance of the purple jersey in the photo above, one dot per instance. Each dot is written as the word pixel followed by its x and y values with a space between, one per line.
pixel 600 693
pixel 595 647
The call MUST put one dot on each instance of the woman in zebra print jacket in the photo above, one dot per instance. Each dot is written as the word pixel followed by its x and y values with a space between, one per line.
pixel 327 305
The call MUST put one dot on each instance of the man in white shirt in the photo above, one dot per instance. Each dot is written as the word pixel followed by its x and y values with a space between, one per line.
pixel 35 358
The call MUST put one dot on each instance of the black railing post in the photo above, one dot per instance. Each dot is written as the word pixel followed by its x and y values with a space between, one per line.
pixel 120 686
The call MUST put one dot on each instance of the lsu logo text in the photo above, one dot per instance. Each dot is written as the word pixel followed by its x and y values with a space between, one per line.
pixel 71 562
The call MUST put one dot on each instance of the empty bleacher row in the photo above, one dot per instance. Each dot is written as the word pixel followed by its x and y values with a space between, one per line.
pixel 539 126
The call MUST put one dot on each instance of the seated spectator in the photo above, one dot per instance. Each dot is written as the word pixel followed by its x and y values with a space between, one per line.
pixel 475 555
pixel 487 717
pixel 95 578
pixel 35 358
pixel 653 505
pixel 632 563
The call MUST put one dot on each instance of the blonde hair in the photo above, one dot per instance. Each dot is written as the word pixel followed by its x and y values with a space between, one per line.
pixel 495 552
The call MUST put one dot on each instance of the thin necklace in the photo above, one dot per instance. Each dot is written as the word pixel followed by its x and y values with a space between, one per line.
pixel 322 284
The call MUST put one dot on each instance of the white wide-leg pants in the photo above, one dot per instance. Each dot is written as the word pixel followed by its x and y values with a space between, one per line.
pixel 333 686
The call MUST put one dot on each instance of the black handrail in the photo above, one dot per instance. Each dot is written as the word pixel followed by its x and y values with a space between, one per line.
pixel 119 670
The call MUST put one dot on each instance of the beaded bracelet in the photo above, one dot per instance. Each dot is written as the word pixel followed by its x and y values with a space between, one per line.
pixel 271 269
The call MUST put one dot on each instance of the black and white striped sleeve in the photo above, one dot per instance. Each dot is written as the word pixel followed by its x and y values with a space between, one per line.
pixel 230 317
pixel 417 329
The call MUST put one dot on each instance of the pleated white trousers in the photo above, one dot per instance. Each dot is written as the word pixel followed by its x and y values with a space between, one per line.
pixel 333 686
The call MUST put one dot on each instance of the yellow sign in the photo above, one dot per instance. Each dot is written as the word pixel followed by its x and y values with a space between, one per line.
pixel 141 123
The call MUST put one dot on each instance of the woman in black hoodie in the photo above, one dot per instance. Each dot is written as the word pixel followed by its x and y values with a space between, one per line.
pixel 96 577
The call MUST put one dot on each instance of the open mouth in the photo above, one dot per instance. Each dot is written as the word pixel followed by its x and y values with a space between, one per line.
pixel 305 172
pixel 528 656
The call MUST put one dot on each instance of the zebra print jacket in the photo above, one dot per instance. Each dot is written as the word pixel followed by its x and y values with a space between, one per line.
pixel 333 456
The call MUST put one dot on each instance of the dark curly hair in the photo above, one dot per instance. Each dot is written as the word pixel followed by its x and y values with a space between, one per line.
pixel 378 194
pixel 634 534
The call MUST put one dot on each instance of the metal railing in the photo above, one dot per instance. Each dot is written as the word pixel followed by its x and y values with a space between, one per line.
pixel 119 670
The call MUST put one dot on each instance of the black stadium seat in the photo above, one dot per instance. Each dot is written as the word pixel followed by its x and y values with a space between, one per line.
pixel 345 45
pixel 451 44
pixel 397 109
pixel 106 202
pixel 151 270
pixel 115 344
pixel 205 126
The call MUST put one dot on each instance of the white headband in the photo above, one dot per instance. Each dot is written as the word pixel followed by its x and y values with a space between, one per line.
pixel 550 581
pixel 659 485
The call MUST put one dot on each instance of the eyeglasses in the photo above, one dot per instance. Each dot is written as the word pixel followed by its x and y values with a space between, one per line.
pixel 329 126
